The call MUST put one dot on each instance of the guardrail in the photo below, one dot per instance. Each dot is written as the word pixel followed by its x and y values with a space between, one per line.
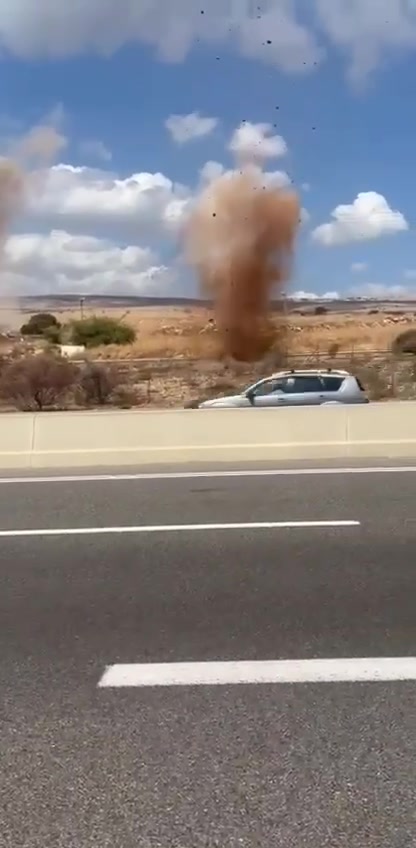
pixel 116 438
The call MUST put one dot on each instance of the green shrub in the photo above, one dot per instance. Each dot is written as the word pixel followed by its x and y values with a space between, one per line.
pixel 97 330
pixel 53 334
pixel 39 323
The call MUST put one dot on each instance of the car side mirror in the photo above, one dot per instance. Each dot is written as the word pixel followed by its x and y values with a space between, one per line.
pixel 250 395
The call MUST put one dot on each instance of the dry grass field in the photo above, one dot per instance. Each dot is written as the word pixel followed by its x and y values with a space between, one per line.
pixel 177 332
pixel 183 343
pixel 180 334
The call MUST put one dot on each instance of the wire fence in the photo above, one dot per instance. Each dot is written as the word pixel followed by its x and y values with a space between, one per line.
pixel 317 355
pixel 172 381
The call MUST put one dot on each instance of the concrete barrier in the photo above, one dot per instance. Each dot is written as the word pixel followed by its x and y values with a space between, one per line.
pixel 75 439
pixel 382 429
pixel 16 440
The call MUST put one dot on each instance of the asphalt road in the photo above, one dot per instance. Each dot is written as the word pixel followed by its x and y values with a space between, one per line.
pixel 297 766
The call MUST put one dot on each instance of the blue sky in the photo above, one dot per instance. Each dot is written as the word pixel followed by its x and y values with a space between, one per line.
pixel 346 113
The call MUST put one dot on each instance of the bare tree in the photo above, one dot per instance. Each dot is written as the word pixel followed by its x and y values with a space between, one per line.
pixel 97 384
pixel 37 382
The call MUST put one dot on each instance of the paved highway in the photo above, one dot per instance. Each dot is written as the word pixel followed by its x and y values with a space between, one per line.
pixel 299 765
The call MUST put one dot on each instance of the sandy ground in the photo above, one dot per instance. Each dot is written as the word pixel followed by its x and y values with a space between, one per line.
pixel 190 367
pixel 186 332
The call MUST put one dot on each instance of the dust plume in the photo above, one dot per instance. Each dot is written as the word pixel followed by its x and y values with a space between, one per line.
pixel 12 192
pixel 240 240
pixel 21 173
pixel 12 199
pixel 41 144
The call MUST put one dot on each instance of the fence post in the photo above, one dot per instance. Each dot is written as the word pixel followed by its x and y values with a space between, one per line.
pixel 393 376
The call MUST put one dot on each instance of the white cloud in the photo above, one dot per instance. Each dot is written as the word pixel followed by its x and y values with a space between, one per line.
pixel 304 295
pixel 359 267
pixel 60 262
pixel 276 179
pixel 367 30
pixel 380 291
pixel 95 149
pixel 366 291
pixel 85 198
pixel 274 31
pixel 213 170
pixel 90 212
pixel 34 28
pixel 185 128
pixel 256 142
pixel 368 217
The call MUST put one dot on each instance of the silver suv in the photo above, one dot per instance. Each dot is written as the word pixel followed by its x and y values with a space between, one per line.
pixel 296 388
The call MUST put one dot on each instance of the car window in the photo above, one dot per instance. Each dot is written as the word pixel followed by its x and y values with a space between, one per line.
pixel 332 384
pixel 303 384
pixel 268 387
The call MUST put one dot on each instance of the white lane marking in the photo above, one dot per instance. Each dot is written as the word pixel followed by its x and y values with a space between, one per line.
pixel 270 671
pixel 189 475
pixel 174 528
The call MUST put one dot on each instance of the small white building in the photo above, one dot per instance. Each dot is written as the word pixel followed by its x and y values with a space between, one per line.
pixel 70 351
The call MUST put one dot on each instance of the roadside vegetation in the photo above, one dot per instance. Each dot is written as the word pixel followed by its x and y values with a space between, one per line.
pixel 379 347
pixel 91 332
pixel 46 381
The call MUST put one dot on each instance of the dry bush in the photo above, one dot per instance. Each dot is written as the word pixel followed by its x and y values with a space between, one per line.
pixel 96 385
pixel 405 342
pixel 219 389
pixel 375 382
pixel 125 397
pixel 333 350
pixel 38 382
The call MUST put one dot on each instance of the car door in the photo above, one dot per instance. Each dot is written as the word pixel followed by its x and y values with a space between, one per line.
pixel 270 393
pixel 304 390
pixel 331 386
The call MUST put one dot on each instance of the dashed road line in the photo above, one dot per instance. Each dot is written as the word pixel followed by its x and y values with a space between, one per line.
pixel 354 670
pixel 174 528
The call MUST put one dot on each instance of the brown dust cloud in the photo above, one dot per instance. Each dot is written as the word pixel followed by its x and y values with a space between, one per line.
pixel 35 150
pixel 22 171
pixel 240 239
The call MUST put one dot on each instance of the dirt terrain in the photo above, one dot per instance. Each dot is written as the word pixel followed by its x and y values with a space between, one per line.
pixel 358 341
pixel 189 332
pixel 181 347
